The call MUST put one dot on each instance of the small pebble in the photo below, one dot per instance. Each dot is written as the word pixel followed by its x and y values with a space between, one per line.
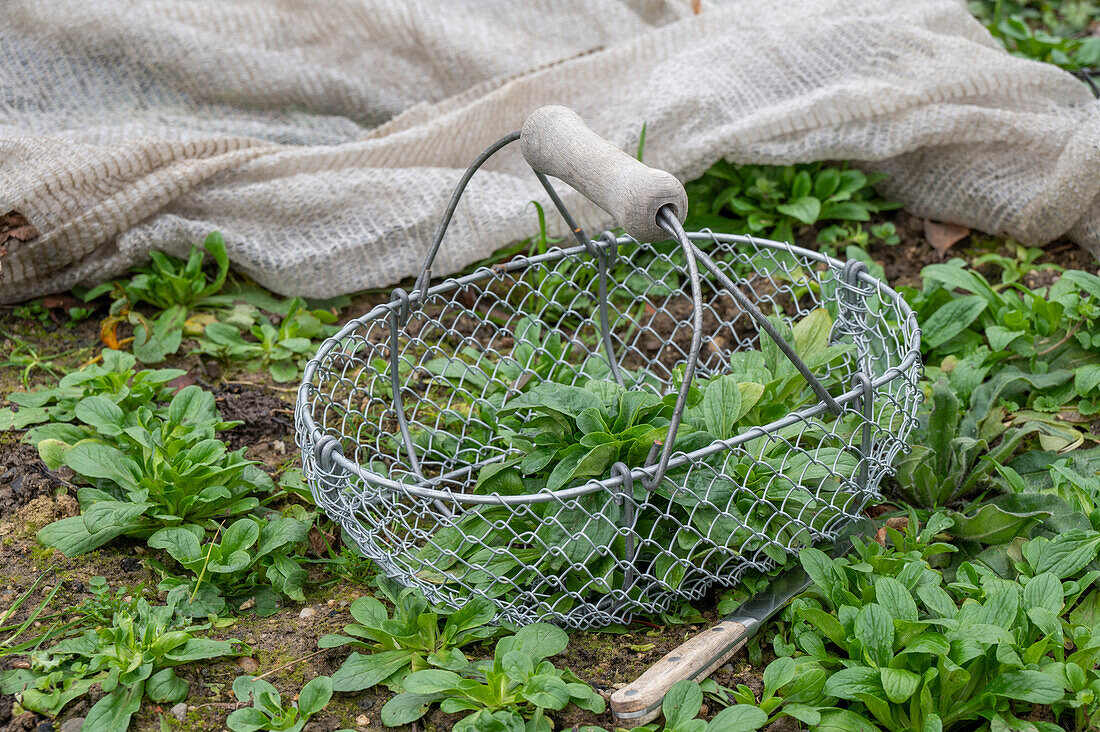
pixel 307 612
pixel 362 721
pixel 180 711
pixel 248 604
pixel 248 664
pixel 365 702
pixel 72 725
pixel 44 727
pixel 139 550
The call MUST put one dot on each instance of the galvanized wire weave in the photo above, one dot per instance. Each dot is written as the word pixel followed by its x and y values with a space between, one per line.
pixel 594 554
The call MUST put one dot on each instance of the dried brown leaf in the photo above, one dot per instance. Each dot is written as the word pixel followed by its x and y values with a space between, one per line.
pixel 943 236
pixel 14 225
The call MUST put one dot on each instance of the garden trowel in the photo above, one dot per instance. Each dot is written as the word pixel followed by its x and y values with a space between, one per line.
pixel 640 701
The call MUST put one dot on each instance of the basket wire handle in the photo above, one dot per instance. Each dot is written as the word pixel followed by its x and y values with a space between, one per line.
pixel 650 204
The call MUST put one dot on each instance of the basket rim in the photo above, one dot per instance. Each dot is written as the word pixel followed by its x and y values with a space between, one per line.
pixel 316 437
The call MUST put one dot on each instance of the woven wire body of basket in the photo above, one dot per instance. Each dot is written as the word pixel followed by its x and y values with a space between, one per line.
pixel 394 419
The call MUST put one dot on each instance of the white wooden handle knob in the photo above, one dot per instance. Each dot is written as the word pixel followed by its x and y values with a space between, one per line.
pixel 556 141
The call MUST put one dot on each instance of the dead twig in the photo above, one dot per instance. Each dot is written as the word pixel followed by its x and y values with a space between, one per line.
pixel 292 663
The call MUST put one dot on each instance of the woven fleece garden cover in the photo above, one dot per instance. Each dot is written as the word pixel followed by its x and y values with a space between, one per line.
pixel 323 138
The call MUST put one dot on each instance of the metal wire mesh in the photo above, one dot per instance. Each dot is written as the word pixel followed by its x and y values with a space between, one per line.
pixel 394 419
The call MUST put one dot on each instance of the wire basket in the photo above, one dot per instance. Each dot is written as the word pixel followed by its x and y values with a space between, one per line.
pixel 402 443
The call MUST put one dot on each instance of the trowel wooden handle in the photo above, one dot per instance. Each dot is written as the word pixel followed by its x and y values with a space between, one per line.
pixel 696 658
pixel 556 141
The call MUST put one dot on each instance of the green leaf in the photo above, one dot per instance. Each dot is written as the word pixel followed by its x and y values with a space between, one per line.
pixel 854 683
pixel 1090 283
pixel 165 338
pixel 247 720
pixel 738 718
pixel 1065 554
pixel 314 696
pixel 540 640
pixel 406 708
pixel 101 414
pixel 802 186
pixel 932 723
pixel 805 209
pixel 369 612
pixel 778 674
pixel 562 398
pixel 197 649
pixel 284 371
pixel 935 645
pixel 281 532
pixel 721 406
pixel 826 183
pixel 845 211
pixel 181 543
pixel 517 665
pixel 827 624
pixel 192 404
pixel 431 681
pixel 804 713
pixel 842 720
pixel 98 524
pixel 361 671
pixel 682 703
pixel 1029 686
pixel 53 452
pixel 956 275
pixel 581 463
pixel 112 713
pixel 96 460
pixel 875 630
pixel 951 319
pixel 164 687
pixel 895 598
pixel 240 535
pixel 1086 379
pixel 811 334
pixel 750 396
pixel 899 684
pixel 546 691
pixel 820 568
pixel 992 525
pixel 1000 338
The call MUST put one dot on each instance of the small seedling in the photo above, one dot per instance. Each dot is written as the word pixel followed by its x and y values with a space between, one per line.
pixel 267 711
pixel 410 641
pixel 517 684
pixel 131 658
